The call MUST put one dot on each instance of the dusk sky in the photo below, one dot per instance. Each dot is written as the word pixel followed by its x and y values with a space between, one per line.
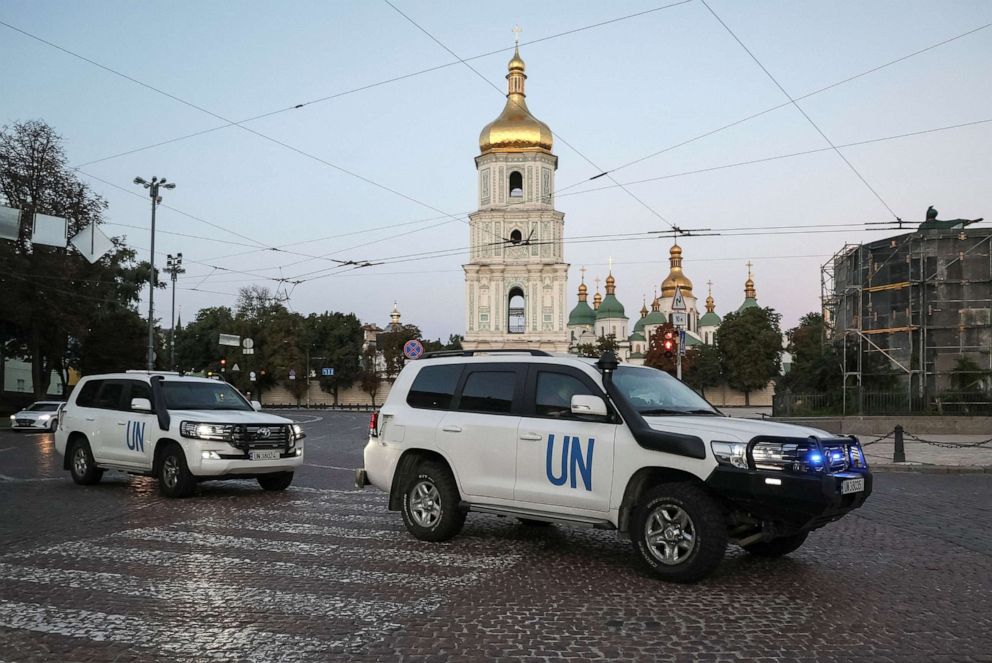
pixel 614 93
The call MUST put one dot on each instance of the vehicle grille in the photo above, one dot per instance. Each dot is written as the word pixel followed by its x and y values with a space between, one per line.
pixel 254 437
pixel 835 456
pixel 24 422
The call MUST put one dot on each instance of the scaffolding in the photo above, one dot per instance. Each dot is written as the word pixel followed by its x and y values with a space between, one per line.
pixel 920 302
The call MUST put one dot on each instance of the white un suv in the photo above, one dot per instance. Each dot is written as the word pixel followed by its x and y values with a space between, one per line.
pixel 179 429
pixel 561 439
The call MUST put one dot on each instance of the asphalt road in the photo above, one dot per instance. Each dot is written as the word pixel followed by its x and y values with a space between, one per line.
pixel 114 572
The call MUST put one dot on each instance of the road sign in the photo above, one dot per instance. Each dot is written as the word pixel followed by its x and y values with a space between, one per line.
pixel 247 343
pixel 681 342
pixel 248 351
pixel 235 368
pixel 229 339
pixel 327 372
pixel 292 374
pixel 678 302
pixel 412 349
pixel 251 376
pixel 679 318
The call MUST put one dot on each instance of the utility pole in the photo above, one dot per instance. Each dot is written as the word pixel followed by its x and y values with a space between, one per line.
pixel 153 188
pixel 175 268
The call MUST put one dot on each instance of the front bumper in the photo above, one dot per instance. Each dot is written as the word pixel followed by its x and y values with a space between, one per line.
pixel 237 462
pixel 30 424
pixel 802 502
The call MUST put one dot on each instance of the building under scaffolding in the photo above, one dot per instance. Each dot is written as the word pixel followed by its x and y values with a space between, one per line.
pixel 920 301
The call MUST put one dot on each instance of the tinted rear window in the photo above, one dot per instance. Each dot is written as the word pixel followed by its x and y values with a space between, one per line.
pixel 110 396
pixel 434 387
pixel 87 394
pixel 488 391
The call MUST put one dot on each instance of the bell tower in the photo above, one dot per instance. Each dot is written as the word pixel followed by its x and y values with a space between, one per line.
pixel 516 276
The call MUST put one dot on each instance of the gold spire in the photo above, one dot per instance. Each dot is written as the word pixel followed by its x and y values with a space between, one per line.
pixel 583 290
pixel 710 304
pixel 644 306
pixel 515 130
pixel 656 303
pixel 597 299
pixel 749 291
pixel 676 278
pixel 611 283
pixel 394 317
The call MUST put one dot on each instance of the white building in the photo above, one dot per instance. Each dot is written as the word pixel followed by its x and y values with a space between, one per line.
pixel 516 277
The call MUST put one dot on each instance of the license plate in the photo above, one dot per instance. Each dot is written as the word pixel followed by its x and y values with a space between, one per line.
pixel 852 486
pixel 271 454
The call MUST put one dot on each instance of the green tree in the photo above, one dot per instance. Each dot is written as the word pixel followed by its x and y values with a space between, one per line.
pixel 51 295
pixel 116 341
pixel 196 344
pixel 369 375
pixel 656 356
pixel 702 368
pixel 750 349
pixel 816 364
pixel 337 337
pixel 596 350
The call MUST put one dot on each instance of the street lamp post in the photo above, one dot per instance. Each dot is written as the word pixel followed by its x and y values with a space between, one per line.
pixel 175 268
pixel 153 188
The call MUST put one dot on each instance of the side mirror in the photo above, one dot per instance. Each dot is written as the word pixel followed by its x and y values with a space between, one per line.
pixel 257 406
pixel 141 405
pixel 588 405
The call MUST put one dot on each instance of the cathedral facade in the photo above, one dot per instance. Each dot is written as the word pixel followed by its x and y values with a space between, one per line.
pixel 516 276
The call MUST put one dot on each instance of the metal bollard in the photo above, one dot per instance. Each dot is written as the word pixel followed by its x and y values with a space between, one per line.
pixel 898 451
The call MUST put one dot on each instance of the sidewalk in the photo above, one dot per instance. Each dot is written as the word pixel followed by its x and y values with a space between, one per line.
pixel 930 456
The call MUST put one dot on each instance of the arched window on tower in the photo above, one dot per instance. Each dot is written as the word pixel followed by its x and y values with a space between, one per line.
pixel 516 318
pixel 516 185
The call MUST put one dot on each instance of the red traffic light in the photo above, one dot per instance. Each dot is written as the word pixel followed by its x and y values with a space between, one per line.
pixel 223 362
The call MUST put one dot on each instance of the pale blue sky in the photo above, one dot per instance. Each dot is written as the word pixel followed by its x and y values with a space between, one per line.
pixel 616 93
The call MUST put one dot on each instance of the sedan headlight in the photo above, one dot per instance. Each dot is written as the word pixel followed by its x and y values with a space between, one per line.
pixel 44 417
pixel 203 431
pixel 733 454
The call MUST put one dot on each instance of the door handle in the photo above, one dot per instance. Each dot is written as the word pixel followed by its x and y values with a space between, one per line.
pixel 534 437
pixel 122 423
pixel 90 419
pixel 452 429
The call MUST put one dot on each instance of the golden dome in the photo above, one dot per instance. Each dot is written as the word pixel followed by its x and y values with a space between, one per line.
pixel 597 300
pixel 515 130
pixel 583 289
pixel 676 278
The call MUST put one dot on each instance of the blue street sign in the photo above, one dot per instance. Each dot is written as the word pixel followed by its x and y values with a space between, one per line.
pixel 327 372
pixel 682 342
pixel 412 349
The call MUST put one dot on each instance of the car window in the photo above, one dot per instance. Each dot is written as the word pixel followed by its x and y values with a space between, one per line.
pixel 434 387
pixel 139 390
pixel 554 394
pixel 488 391
pixel 44 407
pixel 655 392
pixel 212 395
pixel 88 392
pixel 110 396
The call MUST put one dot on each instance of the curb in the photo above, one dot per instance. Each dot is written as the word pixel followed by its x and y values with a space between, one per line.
pixel 931 469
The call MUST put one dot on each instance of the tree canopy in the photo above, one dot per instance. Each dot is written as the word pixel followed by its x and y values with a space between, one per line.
pixel 750 349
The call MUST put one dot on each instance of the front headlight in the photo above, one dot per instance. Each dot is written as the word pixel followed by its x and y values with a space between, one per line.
pixel 733 454
pixel 200 431
pixel 44 417
pixel 298 433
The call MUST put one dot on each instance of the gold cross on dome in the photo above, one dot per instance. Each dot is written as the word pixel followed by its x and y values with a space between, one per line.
pixel 610 261
pixel 597 283
pixel 516 34
pixel 710 284
pixel 749 266
pixel 583 270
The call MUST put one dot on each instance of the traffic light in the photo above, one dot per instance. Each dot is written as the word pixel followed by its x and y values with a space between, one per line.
pixel 223 365
pixel 669 343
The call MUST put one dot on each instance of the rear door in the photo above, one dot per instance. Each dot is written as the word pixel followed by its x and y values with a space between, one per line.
pixel 480 434
pixel 563 459
pixel 81 416
pixel 108 438
pixel 138 427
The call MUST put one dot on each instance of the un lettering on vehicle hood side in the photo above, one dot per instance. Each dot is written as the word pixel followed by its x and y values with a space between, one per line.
pixel 741 430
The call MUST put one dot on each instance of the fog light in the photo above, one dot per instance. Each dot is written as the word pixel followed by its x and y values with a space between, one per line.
pixel 210 455
pixel 773 482
pixel 299 452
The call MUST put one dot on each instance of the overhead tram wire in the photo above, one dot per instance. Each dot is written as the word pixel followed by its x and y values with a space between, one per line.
pixel 753 116
pixel 800 109
pixel 362 88
pixel 558 136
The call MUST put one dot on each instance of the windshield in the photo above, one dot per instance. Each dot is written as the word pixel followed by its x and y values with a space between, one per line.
pixel 654 392
pixel 44 407
pixel 203 396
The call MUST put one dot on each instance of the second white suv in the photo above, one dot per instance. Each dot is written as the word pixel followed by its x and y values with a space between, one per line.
pixel 561 439
pixel 179 429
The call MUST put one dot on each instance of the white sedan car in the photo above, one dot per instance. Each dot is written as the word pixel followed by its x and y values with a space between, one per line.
pixel 40 416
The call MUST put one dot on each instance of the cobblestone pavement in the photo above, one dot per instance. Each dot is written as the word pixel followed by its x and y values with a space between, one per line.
pixel 321 572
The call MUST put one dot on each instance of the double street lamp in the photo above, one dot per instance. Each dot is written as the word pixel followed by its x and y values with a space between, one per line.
pixel 153 192
pixel 174 266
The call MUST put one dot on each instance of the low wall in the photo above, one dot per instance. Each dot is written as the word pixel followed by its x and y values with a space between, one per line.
pixel 918 425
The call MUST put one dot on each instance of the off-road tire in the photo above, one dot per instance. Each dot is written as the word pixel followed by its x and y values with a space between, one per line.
pixel 82 467
pixel 777 547
pixel 430 503
pixel 174 477
pixel 674 510
pixel 275 481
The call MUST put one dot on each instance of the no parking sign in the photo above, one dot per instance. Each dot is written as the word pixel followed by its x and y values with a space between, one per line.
pixel 412 349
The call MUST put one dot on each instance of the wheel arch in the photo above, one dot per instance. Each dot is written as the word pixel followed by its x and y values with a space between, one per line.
pixel 405 468
pixel 70 442
pixel 641 481
pixel 160 446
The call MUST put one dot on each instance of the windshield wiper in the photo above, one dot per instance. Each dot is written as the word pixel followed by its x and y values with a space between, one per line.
pixel 668 410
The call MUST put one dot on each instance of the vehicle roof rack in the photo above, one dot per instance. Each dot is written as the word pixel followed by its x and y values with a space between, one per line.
pixel 471 353
pixel 144 372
